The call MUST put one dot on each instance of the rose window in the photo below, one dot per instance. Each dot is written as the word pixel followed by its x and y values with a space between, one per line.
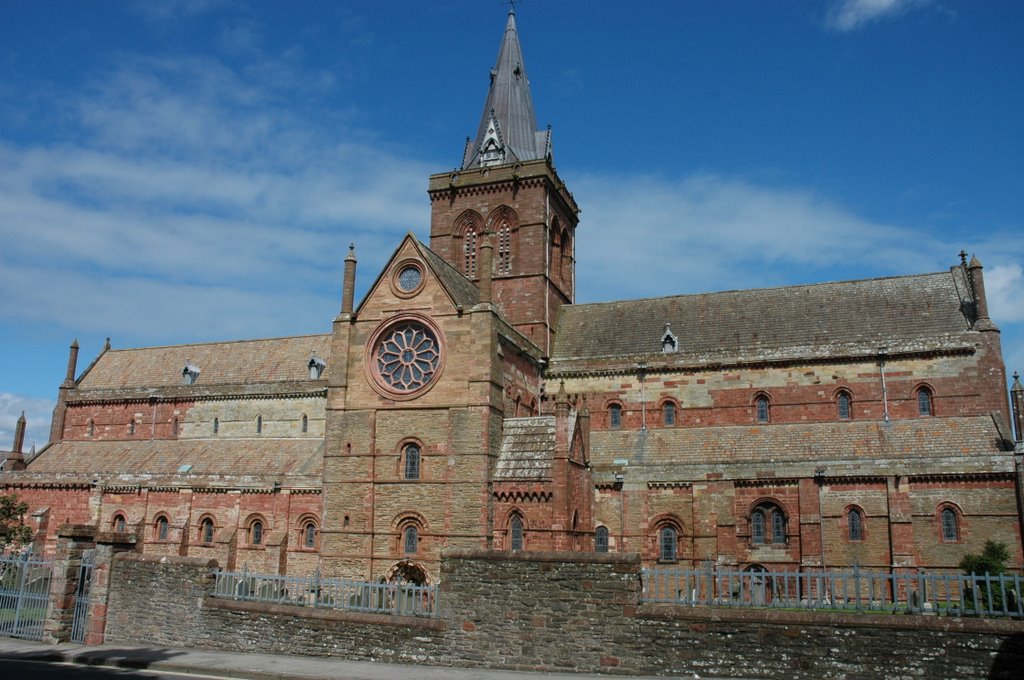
pixel 407 356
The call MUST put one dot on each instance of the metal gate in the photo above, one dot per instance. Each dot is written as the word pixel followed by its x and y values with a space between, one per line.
pixel 24 595
pixel 81 616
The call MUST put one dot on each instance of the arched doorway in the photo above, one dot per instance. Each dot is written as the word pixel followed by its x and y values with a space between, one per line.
pixel 407 573
pixel 760 581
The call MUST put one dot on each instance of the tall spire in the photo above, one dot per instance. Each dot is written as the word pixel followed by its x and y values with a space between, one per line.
pixel 508 127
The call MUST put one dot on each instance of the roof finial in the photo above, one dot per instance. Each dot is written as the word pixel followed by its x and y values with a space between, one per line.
pixel 963 258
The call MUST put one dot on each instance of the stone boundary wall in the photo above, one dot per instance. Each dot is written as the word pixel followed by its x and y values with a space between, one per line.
pixel 559 611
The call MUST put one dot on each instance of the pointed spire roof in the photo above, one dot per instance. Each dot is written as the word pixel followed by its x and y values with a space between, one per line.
pixel 508 127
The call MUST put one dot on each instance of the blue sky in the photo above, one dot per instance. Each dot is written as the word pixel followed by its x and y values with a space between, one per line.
pixel 193 170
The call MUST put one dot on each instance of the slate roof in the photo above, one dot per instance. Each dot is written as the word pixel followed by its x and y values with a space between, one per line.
pixel 527 446
pixel 220 363
pixel 463 291
pixel 294 459
pixel 908 313
pixel 917 446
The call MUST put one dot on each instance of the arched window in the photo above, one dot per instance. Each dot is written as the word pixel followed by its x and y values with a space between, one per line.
pixel 950 525
pixel 778 527
pixel 667 540
pixel 305 423
pixel 216 425
pixel 843 406
pixel 504 249
pixel 206 531
pixel 515 530
pixel 411 539
pixel 469 250
pixel 601 539
pixel 767 524
pixel 757 521
pixel 259 424
pixel 855 525
pixel 668 413
pixel 161 528
pixel 615 416
pixel 761 408
pixel 412 461
pixel 924 402
pixel 256 532
pixel 309 534
pixel 120 524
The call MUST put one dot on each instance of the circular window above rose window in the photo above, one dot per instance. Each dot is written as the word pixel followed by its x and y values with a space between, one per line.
pixel 405 357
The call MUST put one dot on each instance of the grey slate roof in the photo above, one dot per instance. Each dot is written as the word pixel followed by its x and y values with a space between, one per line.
pixel 527 445
pixel 463 291
pixel 220 363
pixel 907 313
pixel 298 461
pixel 509 98
pixel 917 446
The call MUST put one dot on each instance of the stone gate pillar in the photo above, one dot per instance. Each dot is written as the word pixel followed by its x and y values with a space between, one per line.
pixel 72 542
pixel 108 544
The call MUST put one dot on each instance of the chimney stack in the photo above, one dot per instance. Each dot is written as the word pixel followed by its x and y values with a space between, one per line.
pixel 981 322
pixel 19 434
pixel 72 363
pixel 1017 406
pixel 15 460
pixel 348 289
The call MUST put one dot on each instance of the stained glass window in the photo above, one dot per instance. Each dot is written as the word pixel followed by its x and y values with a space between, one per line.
pixel 667 541
pixel 601 539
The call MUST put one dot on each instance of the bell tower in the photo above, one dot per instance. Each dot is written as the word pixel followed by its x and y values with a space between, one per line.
pixel 508 192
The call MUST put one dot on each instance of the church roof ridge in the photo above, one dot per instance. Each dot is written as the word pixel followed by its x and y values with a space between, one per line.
pixel 218 342
pixel 765 289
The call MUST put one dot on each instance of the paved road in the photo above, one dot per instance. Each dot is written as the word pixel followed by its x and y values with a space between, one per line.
pixel 41 670
pixel 127 661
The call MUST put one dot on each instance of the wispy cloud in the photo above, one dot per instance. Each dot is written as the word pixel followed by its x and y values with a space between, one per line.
pixel 849 15
pixel 166 10
pixel 189 193
pixel 37 417
pixel 710 233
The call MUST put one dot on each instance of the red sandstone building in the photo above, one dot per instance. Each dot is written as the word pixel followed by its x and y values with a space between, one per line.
pixel 466 401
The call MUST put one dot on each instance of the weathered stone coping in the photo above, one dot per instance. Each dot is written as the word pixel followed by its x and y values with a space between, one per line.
pixel 543 556
pixel 164 559
pixel 322 614
pixel 938 624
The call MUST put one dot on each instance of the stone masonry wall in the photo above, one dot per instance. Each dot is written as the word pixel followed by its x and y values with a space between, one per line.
pixel 560 611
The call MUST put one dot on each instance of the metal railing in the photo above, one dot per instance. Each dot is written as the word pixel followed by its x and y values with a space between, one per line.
pixel 24 595
pixel 847 590
pixel 331 593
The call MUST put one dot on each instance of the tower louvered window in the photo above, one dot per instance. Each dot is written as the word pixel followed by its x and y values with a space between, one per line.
pixel 504 249
pixel 469 250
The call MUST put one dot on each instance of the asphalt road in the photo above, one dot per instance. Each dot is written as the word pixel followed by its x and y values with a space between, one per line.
pixel 38 670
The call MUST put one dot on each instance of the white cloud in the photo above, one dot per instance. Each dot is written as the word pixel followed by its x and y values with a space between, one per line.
pixel 712 233
pixel 193 195
pixel 37 417
pixel 849 15
pixel 165 10
pixel 1004 288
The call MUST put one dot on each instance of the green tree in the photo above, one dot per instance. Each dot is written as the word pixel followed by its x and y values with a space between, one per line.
pixel 13 531
pixel 992 561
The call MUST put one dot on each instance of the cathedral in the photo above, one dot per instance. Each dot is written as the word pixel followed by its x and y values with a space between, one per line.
pixel 468 401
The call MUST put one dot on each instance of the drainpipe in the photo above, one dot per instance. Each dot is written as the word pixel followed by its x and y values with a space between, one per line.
pixel 882 352
pixel 642 371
